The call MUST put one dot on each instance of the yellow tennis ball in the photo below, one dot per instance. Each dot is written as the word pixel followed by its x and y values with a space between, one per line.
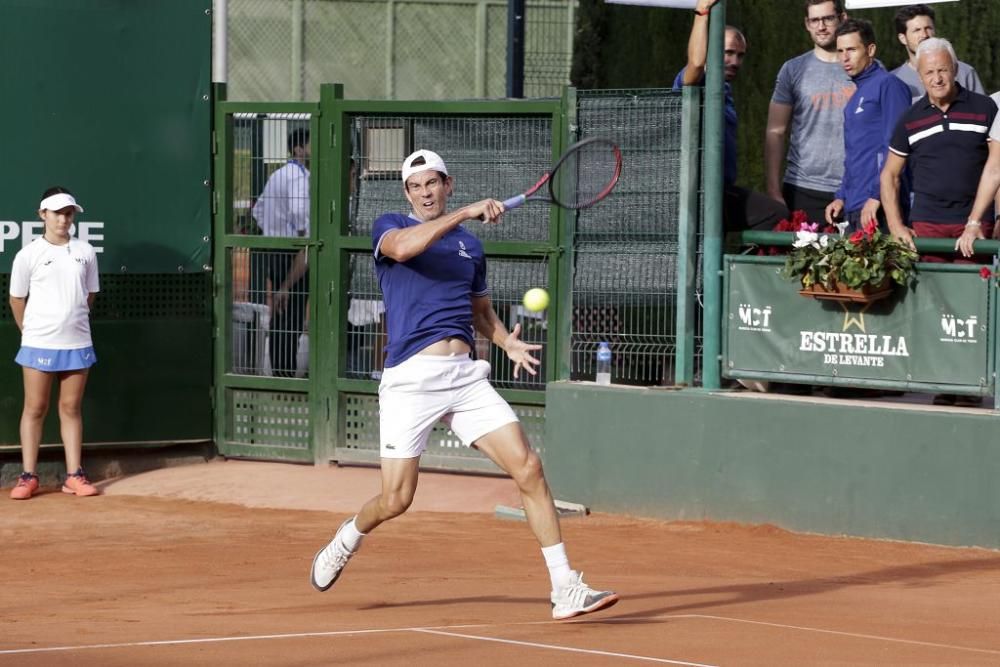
pixel 536 299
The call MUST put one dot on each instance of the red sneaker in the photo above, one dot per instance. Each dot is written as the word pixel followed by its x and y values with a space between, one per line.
pixel 79 485
pixel 27 484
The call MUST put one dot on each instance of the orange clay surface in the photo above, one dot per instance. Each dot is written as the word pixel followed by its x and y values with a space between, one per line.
pixel 175 567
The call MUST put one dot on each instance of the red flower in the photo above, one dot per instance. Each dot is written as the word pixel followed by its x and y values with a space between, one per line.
pixel 985 273
pixel 870 228
pixel 830 229
pixel 799 218
pixel 857 237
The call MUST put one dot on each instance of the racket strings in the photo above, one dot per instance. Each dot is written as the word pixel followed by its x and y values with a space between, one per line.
pixel 586 175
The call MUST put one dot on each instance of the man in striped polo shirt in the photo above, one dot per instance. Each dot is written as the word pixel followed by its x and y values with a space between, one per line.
pixel 944 138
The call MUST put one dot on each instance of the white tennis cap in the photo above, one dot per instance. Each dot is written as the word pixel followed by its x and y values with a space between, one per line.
pixel 58 202
pixel 431 162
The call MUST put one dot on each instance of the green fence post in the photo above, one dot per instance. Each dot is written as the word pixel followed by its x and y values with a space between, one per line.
pixel 713 141
pixel 687 236
pixel 222 208
pixel 330 155
pixel 562 266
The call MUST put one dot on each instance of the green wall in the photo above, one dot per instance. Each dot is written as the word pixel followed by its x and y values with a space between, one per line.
pixel 112 99
pixel 823 466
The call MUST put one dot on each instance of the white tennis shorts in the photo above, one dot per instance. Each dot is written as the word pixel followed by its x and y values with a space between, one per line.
pixel 424 389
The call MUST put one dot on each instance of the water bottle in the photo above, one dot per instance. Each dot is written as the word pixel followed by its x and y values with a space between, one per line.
pixel 603 364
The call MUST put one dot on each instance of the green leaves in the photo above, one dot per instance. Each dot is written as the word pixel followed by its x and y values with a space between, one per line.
pixel 866 258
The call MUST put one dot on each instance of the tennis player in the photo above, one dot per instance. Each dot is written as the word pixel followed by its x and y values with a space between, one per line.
pixel 432 274
pixel 53 283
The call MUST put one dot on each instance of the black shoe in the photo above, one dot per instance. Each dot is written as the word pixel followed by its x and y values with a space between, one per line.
pixel 852 392
pixel 968 401
pixel 791 388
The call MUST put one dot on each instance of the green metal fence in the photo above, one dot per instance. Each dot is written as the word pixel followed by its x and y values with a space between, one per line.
pixel 284 49
pixel 263 387
pixel 610 270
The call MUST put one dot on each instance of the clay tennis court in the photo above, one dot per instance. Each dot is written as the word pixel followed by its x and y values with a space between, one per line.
pixel 145 575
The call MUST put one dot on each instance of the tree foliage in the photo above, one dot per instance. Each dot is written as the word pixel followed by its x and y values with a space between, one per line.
pixel 621 46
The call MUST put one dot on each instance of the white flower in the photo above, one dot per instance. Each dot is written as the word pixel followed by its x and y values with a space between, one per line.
pixel 803 239
pixel 842 227
pixel 824 241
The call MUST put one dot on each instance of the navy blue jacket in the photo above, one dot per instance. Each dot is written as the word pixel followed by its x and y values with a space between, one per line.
pixel 869 121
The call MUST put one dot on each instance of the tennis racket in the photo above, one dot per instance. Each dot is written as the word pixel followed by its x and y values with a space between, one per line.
pixel 585 174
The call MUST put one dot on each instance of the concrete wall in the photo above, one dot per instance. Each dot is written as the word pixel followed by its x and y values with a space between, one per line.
pixel 818 465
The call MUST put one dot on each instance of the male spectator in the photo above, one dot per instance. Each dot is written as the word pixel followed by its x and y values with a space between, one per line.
pixel 743 208
pixel 869 120
pixel 944 139
pixel 989 185
pixel 809 96
pixel 283 211
pixel 987 194
pixel 914 24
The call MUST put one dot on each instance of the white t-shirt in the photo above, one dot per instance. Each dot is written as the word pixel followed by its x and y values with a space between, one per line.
pixel 57 279
pixel 283 206
pixel 995 130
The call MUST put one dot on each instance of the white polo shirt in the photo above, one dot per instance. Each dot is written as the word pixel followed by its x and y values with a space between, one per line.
pixel 57 279
pixel 283 206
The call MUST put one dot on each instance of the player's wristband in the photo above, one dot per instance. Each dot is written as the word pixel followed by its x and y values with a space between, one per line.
pixel 704 13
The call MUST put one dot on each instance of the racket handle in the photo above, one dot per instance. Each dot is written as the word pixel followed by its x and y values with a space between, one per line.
pixel 514 202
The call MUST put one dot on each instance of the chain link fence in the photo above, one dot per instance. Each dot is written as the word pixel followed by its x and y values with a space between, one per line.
pixel 282 50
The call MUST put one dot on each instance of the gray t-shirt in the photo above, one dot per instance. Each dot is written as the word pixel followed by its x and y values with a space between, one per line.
pixel 817 92
pixel 967 76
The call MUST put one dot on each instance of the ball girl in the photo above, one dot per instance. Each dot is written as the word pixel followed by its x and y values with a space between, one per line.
pixel 53 283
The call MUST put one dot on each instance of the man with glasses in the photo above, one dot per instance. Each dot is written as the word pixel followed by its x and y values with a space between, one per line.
pixel 914 24
pixel 807 109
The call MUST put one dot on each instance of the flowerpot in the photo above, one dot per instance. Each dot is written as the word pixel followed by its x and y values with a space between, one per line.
pixel 841 292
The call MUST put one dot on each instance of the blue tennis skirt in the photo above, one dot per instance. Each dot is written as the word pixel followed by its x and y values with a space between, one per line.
pixel 55 361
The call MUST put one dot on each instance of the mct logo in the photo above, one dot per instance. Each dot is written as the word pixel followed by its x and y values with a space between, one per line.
pixel 755 319
pixel 958 330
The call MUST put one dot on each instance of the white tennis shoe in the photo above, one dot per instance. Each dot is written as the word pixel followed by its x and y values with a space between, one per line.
pixel 578 598
pixel 329 562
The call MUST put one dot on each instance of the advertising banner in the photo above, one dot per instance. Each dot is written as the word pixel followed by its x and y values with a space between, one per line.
pixel 112 100
pixel 937 332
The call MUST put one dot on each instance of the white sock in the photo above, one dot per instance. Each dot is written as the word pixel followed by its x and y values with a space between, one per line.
pixel 558 563
pixel 349 536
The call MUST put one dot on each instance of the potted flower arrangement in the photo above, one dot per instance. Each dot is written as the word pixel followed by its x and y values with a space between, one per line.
pixel 864 266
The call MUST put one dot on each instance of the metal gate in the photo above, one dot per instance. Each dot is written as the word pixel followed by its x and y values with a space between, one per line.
pixel 274 399
pixel 264 208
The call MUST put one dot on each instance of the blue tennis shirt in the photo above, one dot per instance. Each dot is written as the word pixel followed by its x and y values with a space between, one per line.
pixel 428 297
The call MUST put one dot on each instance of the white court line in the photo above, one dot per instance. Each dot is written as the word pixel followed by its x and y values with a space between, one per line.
pixel 203 640
pixel 856 635
pixel 555 647
pixel 439 630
